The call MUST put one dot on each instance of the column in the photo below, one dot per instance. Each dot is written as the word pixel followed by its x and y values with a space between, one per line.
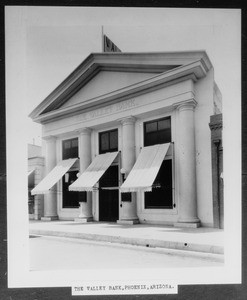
pixel 50 199
pixel 85 209
pixel 128 208
pixel 187 167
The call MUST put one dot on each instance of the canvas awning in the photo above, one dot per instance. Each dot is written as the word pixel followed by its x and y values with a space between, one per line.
pixel 146 168
pixel 54 176
pixel 94 172
pixel 30 172
pixel 30 176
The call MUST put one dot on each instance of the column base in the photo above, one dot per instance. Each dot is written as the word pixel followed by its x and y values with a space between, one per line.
pixel 187 225
pixel 83 220
pixel 52 218
pixel 128 222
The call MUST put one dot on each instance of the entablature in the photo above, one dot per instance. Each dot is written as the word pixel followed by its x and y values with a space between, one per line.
pixel 193 71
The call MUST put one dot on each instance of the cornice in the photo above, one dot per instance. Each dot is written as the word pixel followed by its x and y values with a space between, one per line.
pixel 192 71
pixel 215 126
pixel 148 62
pixel 38 160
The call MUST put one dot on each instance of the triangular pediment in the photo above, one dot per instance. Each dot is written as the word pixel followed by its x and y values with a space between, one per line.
pixel 104 83
pixel 105 76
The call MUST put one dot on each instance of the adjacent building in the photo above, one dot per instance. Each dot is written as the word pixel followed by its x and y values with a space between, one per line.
pixel 35 175
pixel 127 139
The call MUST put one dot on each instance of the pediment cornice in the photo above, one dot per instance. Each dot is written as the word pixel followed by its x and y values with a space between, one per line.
pixel 170 67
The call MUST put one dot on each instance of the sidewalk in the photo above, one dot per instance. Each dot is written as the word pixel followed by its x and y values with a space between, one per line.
pixel 204 240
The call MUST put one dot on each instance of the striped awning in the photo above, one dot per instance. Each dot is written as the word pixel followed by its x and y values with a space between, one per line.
pixel 30 175
pixel 89 178
pixel 54 176
pixel 30 172
pixel 146 168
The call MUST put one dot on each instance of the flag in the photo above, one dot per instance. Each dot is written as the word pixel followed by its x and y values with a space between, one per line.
pixel 109 46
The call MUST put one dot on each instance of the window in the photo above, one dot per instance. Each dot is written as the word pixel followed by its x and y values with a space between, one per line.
pixel 70 148
pixel 71 199
pixel 108 141
pixel 126 197
pixel 161 195
pixel 157 132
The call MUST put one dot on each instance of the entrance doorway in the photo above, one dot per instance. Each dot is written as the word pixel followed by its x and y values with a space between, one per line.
pixel 109 195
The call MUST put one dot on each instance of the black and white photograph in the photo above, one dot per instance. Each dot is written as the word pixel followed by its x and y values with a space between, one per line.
pixel 123 130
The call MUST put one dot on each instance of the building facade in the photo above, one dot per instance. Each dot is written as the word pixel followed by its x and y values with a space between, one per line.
pixel 35 175
pixel 217 170
pixel 127 140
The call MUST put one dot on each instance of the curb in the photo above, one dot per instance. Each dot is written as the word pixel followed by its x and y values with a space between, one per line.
pixel 219 258
pixel 151 243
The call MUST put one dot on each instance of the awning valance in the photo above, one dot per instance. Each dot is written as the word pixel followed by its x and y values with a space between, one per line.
pixel 94 172
pixel 146 168
pixel 54 176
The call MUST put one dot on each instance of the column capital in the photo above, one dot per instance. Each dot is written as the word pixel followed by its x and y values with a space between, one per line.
pixel 84 131
pixel 185 105
pixel 128 120
pixel 49 138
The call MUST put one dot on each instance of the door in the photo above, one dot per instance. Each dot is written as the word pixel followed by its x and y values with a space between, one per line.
pixel 109 195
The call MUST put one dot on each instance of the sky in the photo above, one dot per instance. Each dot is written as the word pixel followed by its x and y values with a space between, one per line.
pixel 57 39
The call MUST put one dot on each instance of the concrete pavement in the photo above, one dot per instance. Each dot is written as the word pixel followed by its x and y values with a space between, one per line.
pixel 202 240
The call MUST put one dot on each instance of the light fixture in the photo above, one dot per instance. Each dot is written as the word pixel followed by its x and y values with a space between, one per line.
pixel 123 173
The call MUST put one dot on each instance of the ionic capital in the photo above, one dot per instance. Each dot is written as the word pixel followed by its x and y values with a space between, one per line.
pixel 128 120
pixel 49 138
pixel 84 131
pixel 186 105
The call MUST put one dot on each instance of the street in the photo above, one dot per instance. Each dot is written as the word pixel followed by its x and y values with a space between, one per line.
pixel 53 253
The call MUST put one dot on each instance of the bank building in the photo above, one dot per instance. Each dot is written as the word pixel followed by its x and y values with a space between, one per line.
pixel 134 138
